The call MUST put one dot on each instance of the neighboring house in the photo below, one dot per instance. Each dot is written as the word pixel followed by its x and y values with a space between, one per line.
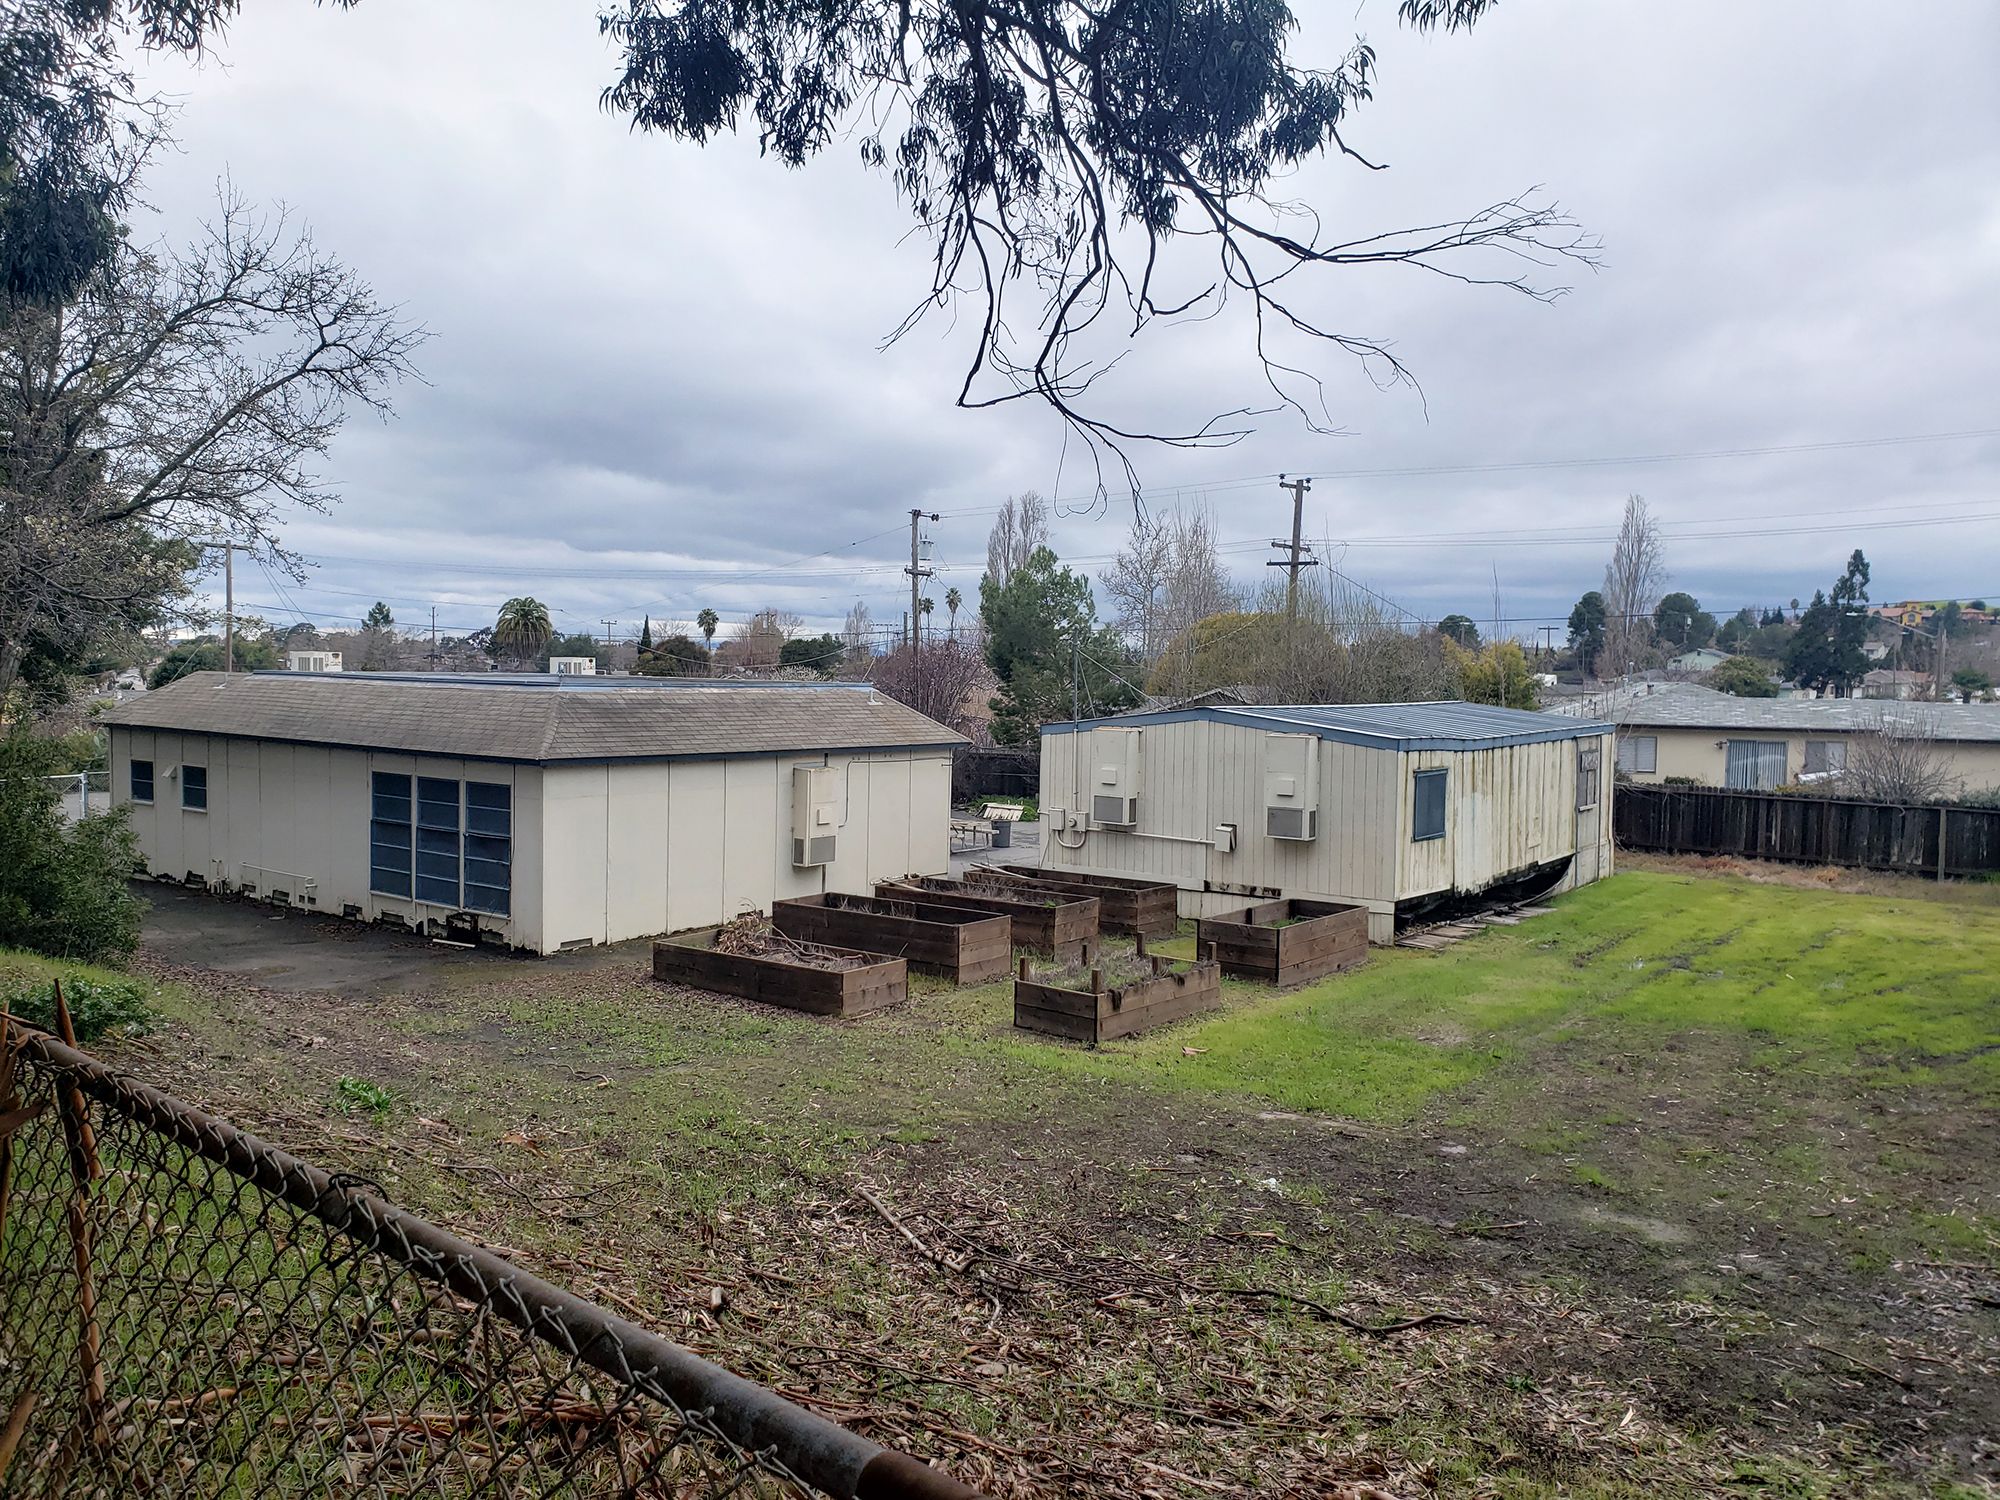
pixel 1876 650
pixel 547 812
pixel 1756 744
pixel 1701 659
pixel 1399 807
pixel 1885 683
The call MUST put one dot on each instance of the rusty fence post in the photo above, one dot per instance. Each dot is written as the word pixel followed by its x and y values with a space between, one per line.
pixel 8 1124
pixel 82 1143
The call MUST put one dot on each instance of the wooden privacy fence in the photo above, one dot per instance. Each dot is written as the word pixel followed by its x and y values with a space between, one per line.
pixel 981 771
pixel 1922 840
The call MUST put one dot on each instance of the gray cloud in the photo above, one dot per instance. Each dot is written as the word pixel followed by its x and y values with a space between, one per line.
pixel 657 378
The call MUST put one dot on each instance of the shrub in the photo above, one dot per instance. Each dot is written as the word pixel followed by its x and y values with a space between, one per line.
pixel 62 885
pixel 95 1005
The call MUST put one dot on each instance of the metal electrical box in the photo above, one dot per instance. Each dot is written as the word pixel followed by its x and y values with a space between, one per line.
pixel 1112 757
pixel 1291 786
pixel 815 815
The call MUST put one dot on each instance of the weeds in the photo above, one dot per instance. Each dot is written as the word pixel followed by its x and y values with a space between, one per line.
pixel 359 1094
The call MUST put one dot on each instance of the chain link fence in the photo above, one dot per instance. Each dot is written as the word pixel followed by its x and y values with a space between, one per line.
pixel 187 1311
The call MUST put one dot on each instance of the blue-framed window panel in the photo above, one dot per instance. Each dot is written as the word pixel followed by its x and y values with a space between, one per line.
pixel 194 788
pixel 389 835
pixel 142 781
pixel 437 840
pixel 1428 819
pixel 489 846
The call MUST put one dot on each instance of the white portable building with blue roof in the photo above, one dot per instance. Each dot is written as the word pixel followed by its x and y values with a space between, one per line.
pixel 1409 809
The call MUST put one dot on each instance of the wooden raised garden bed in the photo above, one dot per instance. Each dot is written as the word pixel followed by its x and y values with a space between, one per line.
pixel 1140 908
pixel 1286 942
pixel 1054 923
pixel 967 946
pixel 1096 1003
pixel 799 976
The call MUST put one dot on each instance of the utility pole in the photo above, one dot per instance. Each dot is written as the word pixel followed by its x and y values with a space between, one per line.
pixel 434 637
pixel 229 551
pixel 1298 554
pixel 1548 642
pixel 918 573
pixel 609 643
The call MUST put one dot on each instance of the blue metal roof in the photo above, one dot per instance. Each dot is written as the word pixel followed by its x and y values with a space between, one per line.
pixel 1380 726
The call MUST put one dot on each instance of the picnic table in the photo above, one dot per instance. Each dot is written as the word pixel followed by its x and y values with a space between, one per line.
pixel 992 829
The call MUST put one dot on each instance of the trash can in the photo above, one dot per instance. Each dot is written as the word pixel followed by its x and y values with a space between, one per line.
pixel 1003 834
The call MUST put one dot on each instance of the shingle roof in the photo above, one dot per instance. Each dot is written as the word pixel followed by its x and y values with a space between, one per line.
pixel 1383 726
pixel 1681 708
pixel 537 719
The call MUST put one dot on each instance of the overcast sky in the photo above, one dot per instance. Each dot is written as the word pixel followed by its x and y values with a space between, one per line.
pixel 657 380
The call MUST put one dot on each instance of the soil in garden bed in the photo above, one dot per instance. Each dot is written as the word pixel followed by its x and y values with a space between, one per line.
pixel 752 936
pixel 1121 966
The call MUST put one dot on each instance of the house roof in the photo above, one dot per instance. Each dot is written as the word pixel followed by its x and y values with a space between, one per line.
pixel 1380 726
pixel 535 719
pixel 1700 708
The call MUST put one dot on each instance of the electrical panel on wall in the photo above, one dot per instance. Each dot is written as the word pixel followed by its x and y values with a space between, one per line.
pixel 1112 761
pixel 815 815
pixel 1291 786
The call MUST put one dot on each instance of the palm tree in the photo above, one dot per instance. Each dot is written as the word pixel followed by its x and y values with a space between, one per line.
pixel 924 607
pixel 522 630
pixel 953 600
pixel 708 619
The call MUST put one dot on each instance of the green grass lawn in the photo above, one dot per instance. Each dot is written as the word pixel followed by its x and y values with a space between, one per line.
pixel 1869 986
pixel 1687 1147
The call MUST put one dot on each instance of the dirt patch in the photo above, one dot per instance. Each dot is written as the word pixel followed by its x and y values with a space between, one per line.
pixel 1596 1271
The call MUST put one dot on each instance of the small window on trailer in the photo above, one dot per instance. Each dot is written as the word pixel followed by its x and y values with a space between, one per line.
pixel 1427 814
pixel 1587 777
pixel 194 788
pixel 142 781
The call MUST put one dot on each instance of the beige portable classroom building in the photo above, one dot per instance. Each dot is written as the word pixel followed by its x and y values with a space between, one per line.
pixel 539 812
pixel 1407 809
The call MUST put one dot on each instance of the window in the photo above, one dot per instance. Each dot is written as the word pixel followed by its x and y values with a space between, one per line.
pixel 448 843
pixel 437 840
pixel 489 845
pixel 194 788
pixel 1826 757
pixel 389 836
pixel 1587 774
pixel 142 781
pixel 1754 765
pixel 1428 819
pixel 1639 754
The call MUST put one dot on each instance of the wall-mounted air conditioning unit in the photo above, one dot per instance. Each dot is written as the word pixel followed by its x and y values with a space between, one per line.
pixel 1113 759
pixel 1291 786
pixel 815 815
